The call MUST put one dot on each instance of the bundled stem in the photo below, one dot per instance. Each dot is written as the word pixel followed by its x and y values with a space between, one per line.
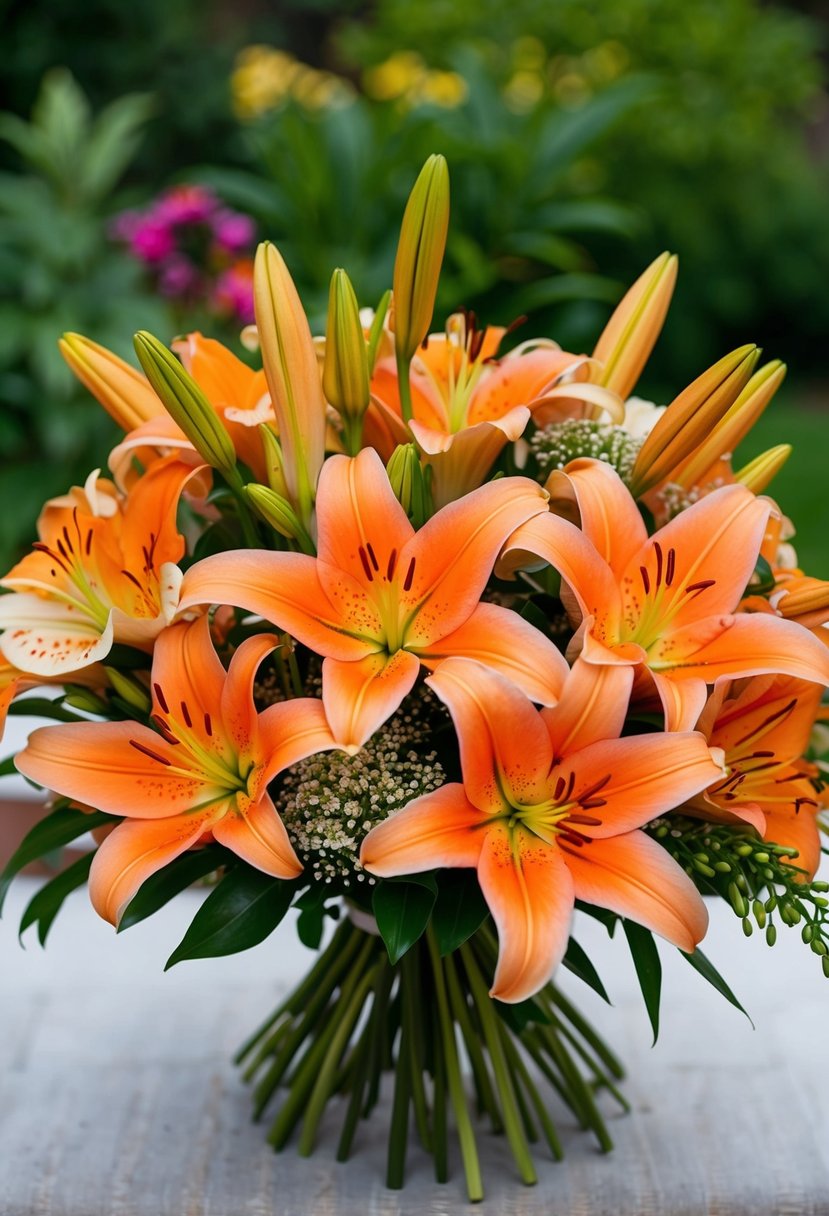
pixel 356 1017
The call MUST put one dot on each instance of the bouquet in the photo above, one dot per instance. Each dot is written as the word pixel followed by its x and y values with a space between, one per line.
pixel 433 637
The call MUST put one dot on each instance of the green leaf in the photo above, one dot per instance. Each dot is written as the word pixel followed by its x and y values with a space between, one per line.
pixel 45 905
pixel 309 925
pixel 460 909
pixel 164 885
pixel 608 919
pixel 239 913
pixel 576 960
pixel 43 707
pixel 53 832
pixel 648 969
pixel 533 614
pixel 709 972
pixel 402 907
pixel 7 767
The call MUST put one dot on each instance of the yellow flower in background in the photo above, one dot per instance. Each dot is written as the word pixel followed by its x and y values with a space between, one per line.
pixel 265 77
pixel 406 78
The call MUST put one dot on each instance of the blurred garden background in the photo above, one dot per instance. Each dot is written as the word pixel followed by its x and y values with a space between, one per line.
pixel 145 148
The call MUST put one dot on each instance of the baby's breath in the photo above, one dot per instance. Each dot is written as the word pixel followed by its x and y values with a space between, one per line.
pixel 558 443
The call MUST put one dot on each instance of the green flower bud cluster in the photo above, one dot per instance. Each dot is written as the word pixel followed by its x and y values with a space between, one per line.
pixel 555 445
pixel 759 879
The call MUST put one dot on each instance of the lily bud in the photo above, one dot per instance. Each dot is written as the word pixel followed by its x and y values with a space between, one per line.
pixel 292 372
pixel 690 418
pixel 410 483
pixel 736 423
pixel 345 378
pixel 419 257
pixel 122 390
pixel 631 333
pixel 762 470
pixel 129 690
pixel 273 460
pixel 278 512
pixel 186 404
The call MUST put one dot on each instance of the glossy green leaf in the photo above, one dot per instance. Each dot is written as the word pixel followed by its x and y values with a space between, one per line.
pixel 402 907
pixel 309 925
pixel 43 707
pixel 240 912
pixel 47 902
pixel 648 969
pixel 164 885
pixel 53 832
pixel 608 919
pixel 708 971
pixel 460 909
pixel 577 961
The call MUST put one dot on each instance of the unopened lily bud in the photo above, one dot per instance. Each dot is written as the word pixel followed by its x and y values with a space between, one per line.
pixel 273 459
pixel 735 424
pixel 85 699
pixel 410 483
pixel 129 690
pixel 630 334
pixel 762 470
pixel 122 390
pixel 377 331
pixel 419 256
pixel 186 404
pixel 278 512
pixel 292 371
pixel 690 418
pixel 345 378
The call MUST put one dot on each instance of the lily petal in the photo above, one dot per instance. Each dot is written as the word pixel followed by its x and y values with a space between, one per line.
pixel 531 901
pixel 747 644
pixel 291 730
pixel 447 563
pixel 634 876
pixel 239 716
pixel 605 507
pixel 503 641
pixel 48 638
pixel 99 765
pixel 592 706
pixel 637 778
pixel 360 696
pixel 359 520
pixel 285 588
pixel 504 745
pixel 683 700
pixel 134 851
pixel 435 830
pixel 258 836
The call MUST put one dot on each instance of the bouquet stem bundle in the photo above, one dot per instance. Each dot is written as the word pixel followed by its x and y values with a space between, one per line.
pixel 427 1020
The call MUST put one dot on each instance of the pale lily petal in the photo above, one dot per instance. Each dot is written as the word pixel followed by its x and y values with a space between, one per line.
pixel 436 830
pixel 635 877
pixel 504 745
pixel 531 901
pixel 48 638
pixel 360 696
pixel 258 836
pixel 503 641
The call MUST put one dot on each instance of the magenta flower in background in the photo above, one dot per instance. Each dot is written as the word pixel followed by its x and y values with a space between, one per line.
pixel 196 250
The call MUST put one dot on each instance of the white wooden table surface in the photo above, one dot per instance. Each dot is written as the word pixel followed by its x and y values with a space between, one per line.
pixel 117 1097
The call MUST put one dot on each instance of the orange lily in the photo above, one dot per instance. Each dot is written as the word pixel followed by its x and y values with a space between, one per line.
pixel 549 812
pixel 763 729
pixel 380 598
pixel 202 774
pixel 238 394
pixel 795 596
pixel 467 403
pixel 104 570
pixel 666 604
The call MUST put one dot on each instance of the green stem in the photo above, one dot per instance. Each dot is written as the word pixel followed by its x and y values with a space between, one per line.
pixel 410 1036
pixel 512 1119
pixel 323 1086
pixel 399 1127
pixel 249 532
pixel 363 1057
pixel 440 1149
pixel 483 1085
pixel 466 1134
pixel 519 1069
